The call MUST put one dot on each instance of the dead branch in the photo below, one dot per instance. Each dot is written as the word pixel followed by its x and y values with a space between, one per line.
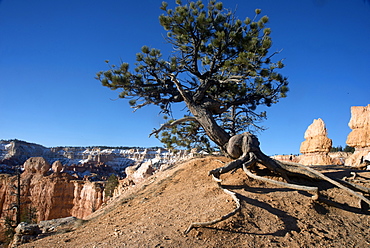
pixel 354 176
pixel 233 79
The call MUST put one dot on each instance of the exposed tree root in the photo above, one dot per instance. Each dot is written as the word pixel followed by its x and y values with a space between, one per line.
pixel 245 148
pixel 355 186
pixel 315 190
pixel 353 178
pixel 339 185
pixel 224 217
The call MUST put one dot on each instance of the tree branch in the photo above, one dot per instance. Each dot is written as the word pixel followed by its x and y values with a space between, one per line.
pixel 169 125
pixel 199 94
pixel 180 88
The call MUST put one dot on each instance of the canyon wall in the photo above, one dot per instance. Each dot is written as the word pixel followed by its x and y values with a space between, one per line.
pixel 84 161
pixel 74 184
pixel 49 194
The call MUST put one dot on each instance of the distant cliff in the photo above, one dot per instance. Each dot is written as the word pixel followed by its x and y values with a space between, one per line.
pixel 82 160
pixel 16 152
pixel 47 194
pixel 69 181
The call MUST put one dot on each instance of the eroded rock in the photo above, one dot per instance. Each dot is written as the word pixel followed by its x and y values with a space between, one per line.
pixel 138 174
pixel 359 137
pixel 25 233
pixel 57 166
pixel 316 138
pixel 317 145
pixel 360 125
pixel 37 165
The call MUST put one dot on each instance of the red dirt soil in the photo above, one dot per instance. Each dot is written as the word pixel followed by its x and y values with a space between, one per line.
pixel 157 212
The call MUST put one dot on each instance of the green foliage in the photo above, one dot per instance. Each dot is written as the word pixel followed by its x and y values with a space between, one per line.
pixel 341 149
pixel 111 185
pixel 349 149
pixel 9 226
pixel 220 62
pixel 29 215
pixel 336 149
pixel 189 135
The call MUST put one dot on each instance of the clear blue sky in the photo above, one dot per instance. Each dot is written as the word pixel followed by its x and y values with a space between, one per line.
pixel 51 50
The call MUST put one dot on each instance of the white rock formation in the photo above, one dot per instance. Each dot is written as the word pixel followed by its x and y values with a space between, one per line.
pixel 359 137
pixel 317 145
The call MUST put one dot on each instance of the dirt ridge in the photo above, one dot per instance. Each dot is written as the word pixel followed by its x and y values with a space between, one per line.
pixel 157 212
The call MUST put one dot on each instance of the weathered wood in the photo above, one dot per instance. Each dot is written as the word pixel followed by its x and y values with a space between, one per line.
pixel 339 185
pixel 315 190
pixel 222 218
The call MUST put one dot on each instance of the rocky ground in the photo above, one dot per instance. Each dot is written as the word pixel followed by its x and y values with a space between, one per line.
pixel 157 212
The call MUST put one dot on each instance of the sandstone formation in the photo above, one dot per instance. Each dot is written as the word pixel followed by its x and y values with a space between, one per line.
pixel 50 195
pixel 339 158
pixel 73 185
pixel 360 125
pixel 137 175
pixel 359 137
pixel 87 198
pixel 316 138
pixel 57 166
pixel 287 158
pixel 36 165
pixel 82 161
pixel 316 146
pixel 16 152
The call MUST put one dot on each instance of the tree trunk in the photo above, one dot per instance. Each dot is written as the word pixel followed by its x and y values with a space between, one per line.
pixel 197 105
pixel 210 126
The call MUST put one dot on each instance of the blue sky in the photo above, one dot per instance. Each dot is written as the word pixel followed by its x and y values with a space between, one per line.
pixel 51 50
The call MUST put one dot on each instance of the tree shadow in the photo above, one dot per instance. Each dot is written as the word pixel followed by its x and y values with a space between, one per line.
pixel 290 223
pixel 343 206
pixel 323 185
pixel 257 190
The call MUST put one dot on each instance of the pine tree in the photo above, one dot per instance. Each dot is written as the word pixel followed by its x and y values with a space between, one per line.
pixel 111 185
pixel 220 68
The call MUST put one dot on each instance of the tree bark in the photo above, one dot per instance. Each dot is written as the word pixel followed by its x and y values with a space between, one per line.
pixel 203 115
pixel 210 126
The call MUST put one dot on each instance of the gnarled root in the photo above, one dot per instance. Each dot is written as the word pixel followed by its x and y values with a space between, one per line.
pixel 224 217
pixel 363 201
pixel 245 149
pixel 355 186
pixel 314 190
